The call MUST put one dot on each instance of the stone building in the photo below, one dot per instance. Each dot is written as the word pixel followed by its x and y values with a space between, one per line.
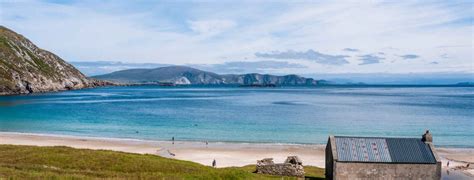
pixel 382 158
pixel 291 167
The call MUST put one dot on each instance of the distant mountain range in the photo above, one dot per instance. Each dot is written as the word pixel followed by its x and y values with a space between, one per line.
pixel 25 68
pixel 181 75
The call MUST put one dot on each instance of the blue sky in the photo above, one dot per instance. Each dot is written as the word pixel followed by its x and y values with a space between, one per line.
pixel 300 37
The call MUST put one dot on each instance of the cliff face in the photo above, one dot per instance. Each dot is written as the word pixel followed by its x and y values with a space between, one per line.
pixel 261 79
pixel 25 68
pixel 187 75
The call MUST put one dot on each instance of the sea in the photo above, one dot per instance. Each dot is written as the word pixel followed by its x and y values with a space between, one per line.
pixel 286 115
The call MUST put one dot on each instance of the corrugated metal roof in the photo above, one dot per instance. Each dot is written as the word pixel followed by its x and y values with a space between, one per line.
pixel 409 150
pixel 383 150
pixel 362 149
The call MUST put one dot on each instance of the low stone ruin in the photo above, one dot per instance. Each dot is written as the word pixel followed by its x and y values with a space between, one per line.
pixel 293 166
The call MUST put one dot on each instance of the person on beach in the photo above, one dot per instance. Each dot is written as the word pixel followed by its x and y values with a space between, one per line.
pixel 207 143
pixel 214 163
pixel 172 139
pixel 447 165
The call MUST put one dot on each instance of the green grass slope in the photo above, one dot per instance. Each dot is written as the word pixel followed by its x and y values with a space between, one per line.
pixel 27 162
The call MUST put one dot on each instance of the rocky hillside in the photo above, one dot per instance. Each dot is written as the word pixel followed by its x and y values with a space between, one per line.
pixel 174 74
pixel 187 75
pixel 25 68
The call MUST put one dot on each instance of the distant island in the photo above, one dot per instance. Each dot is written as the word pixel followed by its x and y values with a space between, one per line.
pixel 183 75
pixel 172 76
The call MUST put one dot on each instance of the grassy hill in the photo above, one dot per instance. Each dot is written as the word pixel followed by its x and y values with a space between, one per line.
pixel 27 162
pixel 26 68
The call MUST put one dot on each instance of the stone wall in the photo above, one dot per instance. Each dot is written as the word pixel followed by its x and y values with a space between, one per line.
pixel 291 167
pixel 348 170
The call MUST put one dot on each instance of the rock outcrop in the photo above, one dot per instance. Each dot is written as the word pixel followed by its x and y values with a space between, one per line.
pixel 25 68
pixel 291 167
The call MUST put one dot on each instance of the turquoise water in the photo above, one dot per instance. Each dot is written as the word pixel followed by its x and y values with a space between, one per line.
pixel 273 115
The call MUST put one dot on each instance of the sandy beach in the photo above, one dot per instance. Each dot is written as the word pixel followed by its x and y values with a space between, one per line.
pixel 225 154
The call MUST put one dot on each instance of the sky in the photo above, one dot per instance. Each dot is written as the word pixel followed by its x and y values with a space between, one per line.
pixel 281 37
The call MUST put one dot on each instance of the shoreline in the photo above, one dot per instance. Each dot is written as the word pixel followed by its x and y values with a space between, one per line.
pixel 158 140
pixel 226 154
pixel 197 141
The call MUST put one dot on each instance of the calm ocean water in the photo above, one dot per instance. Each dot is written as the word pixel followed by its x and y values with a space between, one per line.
pixel 273 115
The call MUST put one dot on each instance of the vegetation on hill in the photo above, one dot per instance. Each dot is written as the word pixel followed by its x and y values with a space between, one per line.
pixel 25 68
pixel 27 162
pixel 188 75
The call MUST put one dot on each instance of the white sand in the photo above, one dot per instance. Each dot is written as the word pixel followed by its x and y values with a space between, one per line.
pixel 225 154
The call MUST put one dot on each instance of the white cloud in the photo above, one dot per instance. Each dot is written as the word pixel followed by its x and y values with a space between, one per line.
pixel 211 27
pixel 203 33
pixel 307 55
pixel 410 56
pixel 370 59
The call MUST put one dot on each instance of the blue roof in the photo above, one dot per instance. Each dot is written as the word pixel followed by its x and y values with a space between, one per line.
pixel 383 150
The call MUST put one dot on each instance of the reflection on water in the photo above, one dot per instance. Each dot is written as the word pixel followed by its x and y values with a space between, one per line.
pixel 13 103
pixel 289 103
